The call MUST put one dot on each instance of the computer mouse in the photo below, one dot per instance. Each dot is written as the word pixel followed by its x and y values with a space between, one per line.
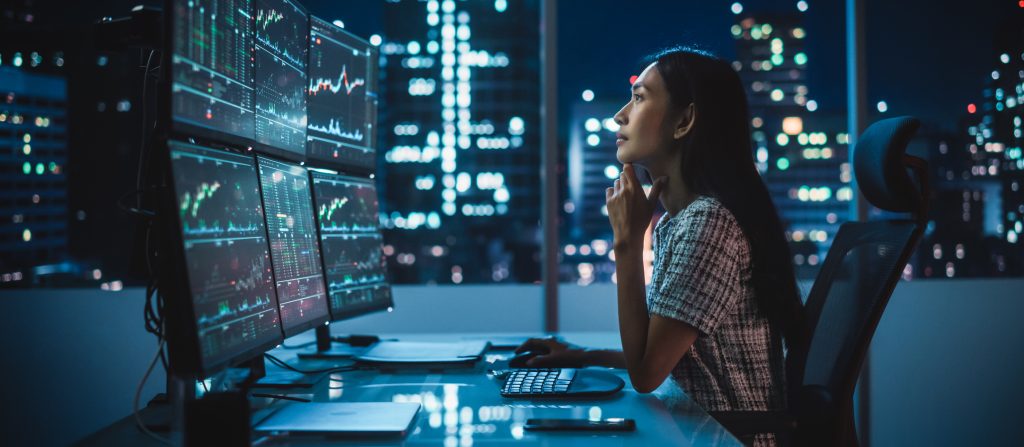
pixel 519 361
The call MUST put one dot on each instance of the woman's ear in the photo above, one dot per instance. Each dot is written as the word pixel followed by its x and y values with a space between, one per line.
pixel 685 123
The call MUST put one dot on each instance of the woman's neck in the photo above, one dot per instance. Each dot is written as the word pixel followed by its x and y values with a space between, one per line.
pixel 675 197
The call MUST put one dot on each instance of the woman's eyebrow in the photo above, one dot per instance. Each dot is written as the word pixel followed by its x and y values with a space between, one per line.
pixel 636 86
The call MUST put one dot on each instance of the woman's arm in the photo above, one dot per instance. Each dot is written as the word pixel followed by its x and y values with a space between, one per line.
pixel 651 346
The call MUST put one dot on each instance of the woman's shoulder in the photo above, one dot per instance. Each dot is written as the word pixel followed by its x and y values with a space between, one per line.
pixel 707 211
pixel 706 217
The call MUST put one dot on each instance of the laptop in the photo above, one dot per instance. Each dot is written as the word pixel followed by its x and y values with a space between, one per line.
pixel 339 419
pixel 404 352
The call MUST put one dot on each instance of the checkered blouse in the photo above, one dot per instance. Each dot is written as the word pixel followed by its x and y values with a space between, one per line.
pixel 702 277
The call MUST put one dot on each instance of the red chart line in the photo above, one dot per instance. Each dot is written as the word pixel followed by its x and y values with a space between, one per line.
pixel 335 87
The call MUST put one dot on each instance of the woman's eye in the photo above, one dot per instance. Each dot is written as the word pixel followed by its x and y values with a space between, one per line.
pixel 636 97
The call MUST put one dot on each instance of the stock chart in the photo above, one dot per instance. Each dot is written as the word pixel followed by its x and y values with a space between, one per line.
pixel 294 251
pixel 342 98
pixel 353 255
pixel 226 255
pixel 281 47
pixel 212 76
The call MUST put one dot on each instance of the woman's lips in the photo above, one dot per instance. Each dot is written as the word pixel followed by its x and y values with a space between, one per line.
pixel 620 139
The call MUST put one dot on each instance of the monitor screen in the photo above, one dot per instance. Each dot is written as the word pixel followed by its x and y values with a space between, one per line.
pixel 227 259
pixel 281 47
pixel 294 251
pixel 211 66
pixel 352 245
pixel 342 97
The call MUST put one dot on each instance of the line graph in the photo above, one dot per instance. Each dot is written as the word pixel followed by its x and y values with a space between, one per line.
pixel 218 196
pixel 342 97
pixel 226 257
pixel 205 190
pixel 280 80
pixel 354 260
pixel 321 84
pixel 327 210
pixel 350 299
pixel 265 18
pixel 333 128
pixel 346 205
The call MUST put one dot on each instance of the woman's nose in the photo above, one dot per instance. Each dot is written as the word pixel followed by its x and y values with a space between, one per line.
pixel 620 117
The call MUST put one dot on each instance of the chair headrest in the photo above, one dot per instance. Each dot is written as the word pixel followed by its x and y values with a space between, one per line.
pixel 879 167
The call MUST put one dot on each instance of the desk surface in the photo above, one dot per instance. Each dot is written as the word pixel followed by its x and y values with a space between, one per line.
pixel 461 406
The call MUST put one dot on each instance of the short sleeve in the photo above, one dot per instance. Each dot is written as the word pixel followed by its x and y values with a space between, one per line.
pixel 704 256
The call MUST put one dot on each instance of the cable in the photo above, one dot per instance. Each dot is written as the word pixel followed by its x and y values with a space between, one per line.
pixel 360 340
pixel 145 129
pixel 298 346
pixel 138 393
pixel 281 396
pixel 284 365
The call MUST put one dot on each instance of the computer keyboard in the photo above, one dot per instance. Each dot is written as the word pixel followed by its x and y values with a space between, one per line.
pixel 534 382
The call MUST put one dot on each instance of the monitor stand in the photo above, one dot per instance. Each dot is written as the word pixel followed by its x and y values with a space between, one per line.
pixel 326 349
pixel 277 379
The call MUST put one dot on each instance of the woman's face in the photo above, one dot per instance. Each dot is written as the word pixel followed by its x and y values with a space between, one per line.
pixel 645 133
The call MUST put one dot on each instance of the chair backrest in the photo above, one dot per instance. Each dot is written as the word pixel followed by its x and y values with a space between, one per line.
pixel 863 266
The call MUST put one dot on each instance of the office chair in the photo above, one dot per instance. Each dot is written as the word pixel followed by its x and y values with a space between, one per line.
pixel 863 266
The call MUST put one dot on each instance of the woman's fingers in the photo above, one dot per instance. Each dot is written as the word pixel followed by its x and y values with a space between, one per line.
pixel 608 192
pixel 564 359
pixel 543 361
pixel 537 343
pixel 628 174
pixel 530 345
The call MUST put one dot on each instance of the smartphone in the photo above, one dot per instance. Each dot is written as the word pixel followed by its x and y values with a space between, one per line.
pixel 608 424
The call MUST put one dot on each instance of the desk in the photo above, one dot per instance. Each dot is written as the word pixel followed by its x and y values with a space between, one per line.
pixel 462 407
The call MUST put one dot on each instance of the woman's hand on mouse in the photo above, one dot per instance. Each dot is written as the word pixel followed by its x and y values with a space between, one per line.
pixel 629 208
pixel 559 354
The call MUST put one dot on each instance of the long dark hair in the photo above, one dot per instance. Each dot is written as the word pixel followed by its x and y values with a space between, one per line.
pixel 718 161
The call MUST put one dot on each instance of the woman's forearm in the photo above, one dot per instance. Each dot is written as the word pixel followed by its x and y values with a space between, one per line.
pixel 604 357
pixel 633 318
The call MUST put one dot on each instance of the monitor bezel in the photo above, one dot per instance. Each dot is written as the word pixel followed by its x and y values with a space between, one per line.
pixel 298 329
pixel 363 310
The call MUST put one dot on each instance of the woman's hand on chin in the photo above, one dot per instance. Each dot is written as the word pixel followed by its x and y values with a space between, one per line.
pixel 629 208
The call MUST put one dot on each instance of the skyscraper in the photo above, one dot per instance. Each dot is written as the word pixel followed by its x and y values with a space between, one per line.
pixel 460 141
pixel 978 209
pixel 592 167
pixel 800 151
pixel 33 137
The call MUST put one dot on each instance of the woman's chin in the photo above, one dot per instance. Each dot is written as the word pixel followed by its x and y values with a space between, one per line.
pixel 623 155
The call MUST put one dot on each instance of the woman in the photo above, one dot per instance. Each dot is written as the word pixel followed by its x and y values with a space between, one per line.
pixel 723 294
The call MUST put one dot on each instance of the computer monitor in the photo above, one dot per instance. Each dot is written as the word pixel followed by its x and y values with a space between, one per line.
pixel 281 47
pixel 342 97
pixel 351 244
pixel 294 251
pixel 224 296
pixel 211 68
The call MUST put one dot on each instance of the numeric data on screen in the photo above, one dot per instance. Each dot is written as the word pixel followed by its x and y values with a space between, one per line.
pixel 211 66
pixel 281 48
pixel 294 251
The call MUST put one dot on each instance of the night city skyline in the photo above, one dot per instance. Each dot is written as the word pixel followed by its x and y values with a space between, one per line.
pixel 937 66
